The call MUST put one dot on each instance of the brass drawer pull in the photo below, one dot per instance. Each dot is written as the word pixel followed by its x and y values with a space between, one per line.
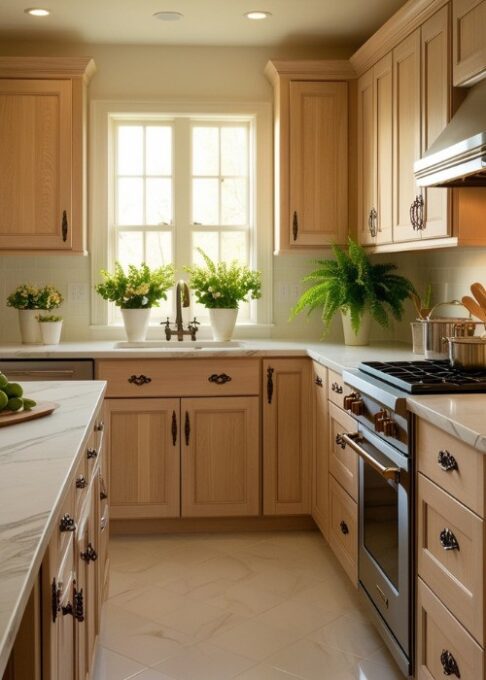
pixel 139 380
pixel 318 381
pixel 67 523
pixel 344 527
pixel 295 226
pixel 220 379
pixel 446 461
pixel 269 385
pixel 64 226
pixel 89 555
pixel 174 428
pixel 91 454
pixel 187 429
pixel 81 482
pixel 447 540
pixel 449 664
pixel 336 387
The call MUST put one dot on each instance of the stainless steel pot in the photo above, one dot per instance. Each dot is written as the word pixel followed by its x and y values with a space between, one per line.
pixel 435 331
pixel 468 354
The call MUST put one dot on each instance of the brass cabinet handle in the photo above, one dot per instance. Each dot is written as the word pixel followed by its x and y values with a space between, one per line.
pixel 446 461
pixel 56 592
pixel 81 482
pixel 295 225
pixel 89 555
pixel 336 387
pixel 420 212
pixel 220 379
pixel 76 610
pixel 91 453
pixel 447 540
pixel 449 664
pixel 318 381
pixel 344 527
pixel 187 428
pixel 139 380
pixel 269 384
pixel 174 428
pixel 340 441
pixel 67 523
pixel 372 218
pixel 103 492
pixel 64 226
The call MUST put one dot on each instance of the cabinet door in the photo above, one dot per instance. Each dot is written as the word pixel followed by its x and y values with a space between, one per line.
pixel 436 91
pixel 406 137
pixel 320 464
pixel 287 437
pixel 383 147
pixel 35 164
pixel 366 160
pixel 469 42
pixel 144 452
pixel 220 457
pixel 318 163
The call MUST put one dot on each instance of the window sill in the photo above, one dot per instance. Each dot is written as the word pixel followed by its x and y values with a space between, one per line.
pixel 156 332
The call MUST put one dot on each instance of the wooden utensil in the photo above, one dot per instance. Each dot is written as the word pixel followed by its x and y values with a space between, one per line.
pixel 42 409
pixel 474 308
pixel 479 292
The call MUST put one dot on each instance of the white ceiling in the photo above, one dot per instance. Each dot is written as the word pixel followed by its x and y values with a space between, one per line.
pixel 206 22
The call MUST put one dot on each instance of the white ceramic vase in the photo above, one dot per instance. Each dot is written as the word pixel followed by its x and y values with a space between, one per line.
pixel 362 337
pixel 29 326
pixel 136 323
pixel 50 332
pixel 223 323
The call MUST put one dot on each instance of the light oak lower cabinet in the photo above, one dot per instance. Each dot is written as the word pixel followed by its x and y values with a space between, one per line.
pixel 469 41
pixel 320 460
pixel 287 437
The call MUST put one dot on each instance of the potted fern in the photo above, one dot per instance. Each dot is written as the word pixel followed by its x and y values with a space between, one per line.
pixel 359 290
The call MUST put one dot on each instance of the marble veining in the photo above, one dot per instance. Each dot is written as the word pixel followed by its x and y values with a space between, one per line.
pixel 37 460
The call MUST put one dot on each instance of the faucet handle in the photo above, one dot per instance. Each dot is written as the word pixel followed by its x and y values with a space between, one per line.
pixel 192 328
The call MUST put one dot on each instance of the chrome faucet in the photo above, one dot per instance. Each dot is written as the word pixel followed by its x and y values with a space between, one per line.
pixel 182 300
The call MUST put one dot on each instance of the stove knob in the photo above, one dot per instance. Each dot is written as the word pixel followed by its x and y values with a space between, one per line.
pixel 348 400
pixel 379 420
pixel 389 428
pixel 357 407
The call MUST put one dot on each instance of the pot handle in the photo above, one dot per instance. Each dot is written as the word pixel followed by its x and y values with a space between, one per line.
pixel 458 303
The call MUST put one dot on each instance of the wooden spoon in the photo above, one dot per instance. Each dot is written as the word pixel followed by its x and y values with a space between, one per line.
pixel 479 292
pixel 474 308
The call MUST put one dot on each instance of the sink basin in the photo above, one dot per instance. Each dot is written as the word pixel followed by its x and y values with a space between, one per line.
pixel 175 345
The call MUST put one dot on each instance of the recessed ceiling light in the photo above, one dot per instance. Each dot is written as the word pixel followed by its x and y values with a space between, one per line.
pixel 37 12
pixel 257 15
pixel 168 16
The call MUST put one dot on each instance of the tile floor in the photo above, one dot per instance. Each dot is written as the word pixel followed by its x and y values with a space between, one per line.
pixel 273 606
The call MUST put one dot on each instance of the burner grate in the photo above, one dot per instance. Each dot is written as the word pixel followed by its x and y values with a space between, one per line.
pixel 422 377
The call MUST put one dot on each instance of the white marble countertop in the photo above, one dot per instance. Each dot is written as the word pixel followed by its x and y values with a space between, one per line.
pixel 37 460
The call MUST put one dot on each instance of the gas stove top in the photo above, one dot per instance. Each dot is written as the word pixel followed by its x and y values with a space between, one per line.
pixel 426 377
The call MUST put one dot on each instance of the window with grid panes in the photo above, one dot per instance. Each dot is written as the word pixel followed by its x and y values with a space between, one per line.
pixel 179 184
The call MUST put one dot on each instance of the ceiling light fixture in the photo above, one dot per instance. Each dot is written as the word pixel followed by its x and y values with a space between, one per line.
pixel 168 16
pixel 257 15
pixel 37 12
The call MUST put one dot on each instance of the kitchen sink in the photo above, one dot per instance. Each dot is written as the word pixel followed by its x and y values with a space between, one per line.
pixel 175 345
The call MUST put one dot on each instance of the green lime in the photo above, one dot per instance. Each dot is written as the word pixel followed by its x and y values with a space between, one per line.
pixel 15 403
pixel 3 381
pixel 3 400
pixel 14 390
pixel 29 404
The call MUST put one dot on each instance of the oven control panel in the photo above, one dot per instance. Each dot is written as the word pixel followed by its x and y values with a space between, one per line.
pixel 376 417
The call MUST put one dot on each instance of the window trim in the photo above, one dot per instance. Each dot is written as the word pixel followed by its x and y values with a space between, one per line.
pixel 101 175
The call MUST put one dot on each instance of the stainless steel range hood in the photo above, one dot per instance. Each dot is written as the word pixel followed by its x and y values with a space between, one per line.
pixel 457 158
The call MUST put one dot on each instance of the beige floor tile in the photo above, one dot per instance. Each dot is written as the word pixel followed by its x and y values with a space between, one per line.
pixel 249 597
pixel 264 672
pixel 224 570
pixel 312 661
pixel 254 639
pixel 151 602
pixel 352 634
pixel 201 621
pixel 204 662
pixel 300 617
pixel 150 674
pixel 364 669
pixel 112 666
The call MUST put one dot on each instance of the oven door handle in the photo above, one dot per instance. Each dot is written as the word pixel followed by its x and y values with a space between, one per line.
pixel 354 439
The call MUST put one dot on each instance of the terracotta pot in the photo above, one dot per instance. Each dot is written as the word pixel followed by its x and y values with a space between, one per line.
pixel 362 337
pixel 136 323
pixel 223 323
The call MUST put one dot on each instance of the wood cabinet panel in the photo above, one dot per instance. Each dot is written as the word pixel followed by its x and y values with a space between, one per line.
pixel 469 41
pixel 287 437
pixel 452 564
pixel 343 462
pixel 439 633
pixel 320 463
pixel 336 389
pixel 220 457
pixel 144 457
pixel 343 528
pixel 366 158
pixel 383 136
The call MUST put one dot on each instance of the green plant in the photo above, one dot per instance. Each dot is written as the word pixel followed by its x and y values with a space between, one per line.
pixel 352 284
pixel 139 288
pixel 422 303
pixel 28 296
pixel 223 285
pixel 49 318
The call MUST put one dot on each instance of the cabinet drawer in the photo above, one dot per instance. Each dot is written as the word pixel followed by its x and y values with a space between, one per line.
pixel 343 462
pixel 169 377
pixel 442 641
pixel 337 390
pixel 343 528
pixel 66 523
pixel 450 554
pixel 454 466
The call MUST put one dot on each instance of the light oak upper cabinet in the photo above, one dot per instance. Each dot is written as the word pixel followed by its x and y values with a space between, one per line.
pixel 143 441
pixel 287 437
pixel 311 153
pixel 406 130
pixel 42 163
pixel 469 41
pixel 220 457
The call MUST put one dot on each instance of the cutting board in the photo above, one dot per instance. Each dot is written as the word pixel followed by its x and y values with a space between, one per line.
pixel 43 408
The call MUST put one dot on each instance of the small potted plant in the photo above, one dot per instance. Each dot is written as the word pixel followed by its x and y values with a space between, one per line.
pixel 422 304
pixel 29 299
pixel 50 328
pixel 136 292
pixel 359 290
pixel 220 288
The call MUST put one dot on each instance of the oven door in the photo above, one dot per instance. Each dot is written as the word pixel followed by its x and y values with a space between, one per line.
pixel 384 531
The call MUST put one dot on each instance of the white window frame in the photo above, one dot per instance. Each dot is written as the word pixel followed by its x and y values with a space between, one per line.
pixel 102 174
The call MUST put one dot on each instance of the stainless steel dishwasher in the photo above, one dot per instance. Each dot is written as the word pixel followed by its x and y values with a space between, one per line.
pixel 47 369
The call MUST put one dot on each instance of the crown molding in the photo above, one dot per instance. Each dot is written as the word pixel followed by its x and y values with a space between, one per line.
pixel 325 69
pixel 47 67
